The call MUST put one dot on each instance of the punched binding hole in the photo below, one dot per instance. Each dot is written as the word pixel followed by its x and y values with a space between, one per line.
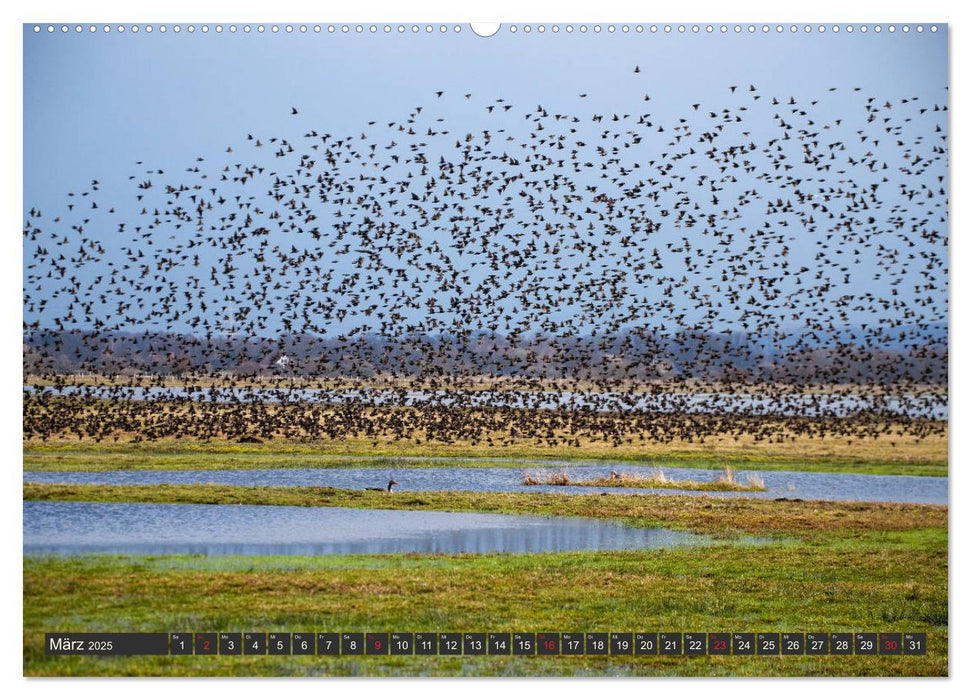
pixel 485 29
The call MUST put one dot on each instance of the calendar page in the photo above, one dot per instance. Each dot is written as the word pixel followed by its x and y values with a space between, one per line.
pixel 519 349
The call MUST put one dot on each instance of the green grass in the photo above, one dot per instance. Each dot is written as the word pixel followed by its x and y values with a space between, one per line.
pixel 785 587
pixel 183 455
pixel 816 566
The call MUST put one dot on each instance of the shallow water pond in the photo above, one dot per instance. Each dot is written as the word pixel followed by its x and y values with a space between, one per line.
pixel 827 486
pixel 148 528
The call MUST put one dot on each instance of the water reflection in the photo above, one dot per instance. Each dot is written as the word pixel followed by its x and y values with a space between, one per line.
pixel 149 528
pixel 805 485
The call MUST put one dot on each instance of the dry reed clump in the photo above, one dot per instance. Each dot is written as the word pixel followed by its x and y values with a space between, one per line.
pixel 726 478
pixel 656 478
pixel 656 475
pixel 755 481
pixel 729 478
pixel 547 478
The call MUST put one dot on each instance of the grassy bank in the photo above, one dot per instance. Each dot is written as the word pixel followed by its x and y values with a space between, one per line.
pixel 927 457
pixel 818 566
pixel 868 585
pixel 719 516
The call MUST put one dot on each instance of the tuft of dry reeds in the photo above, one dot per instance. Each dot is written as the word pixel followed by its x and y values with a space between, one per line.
pixel 727 477
pixel 657 479
pixel 753 482
pixel 547 478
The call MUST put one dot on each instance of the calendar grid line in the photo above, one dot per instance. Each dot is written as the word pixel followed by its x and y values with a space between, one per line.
pixel 488 643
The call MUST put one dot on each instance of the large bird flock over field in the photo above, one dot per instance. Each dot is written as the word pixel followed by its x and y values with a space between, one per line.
pixel 760 265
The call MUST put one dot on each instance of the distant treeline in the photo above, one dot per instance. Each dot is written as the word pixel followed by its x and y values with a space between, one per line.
pixel 850 357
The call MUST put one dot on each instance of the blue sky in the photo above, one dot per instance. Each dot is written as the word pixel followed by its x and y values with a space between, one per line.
pixel 96 104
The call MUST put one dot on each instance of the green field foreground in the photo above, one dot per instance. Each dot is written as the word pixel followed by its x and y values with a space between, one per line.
pixel 813 566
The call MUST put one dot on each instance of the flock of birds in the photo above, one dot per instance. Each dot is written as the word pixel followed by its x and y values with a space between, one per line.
pixel 769 267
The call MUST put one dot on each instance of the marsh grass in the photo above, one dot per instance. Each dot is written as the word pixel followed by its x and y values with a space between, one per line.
pixel 818 566
pixel 697 513
pixel 929 458
pixel 547 478
pixel 836 587
pixel 727 480
pixel 918 447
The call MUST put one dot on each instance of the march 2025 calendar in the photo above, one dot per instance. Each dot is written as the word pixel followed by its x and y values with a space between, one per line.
pixel 523 337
